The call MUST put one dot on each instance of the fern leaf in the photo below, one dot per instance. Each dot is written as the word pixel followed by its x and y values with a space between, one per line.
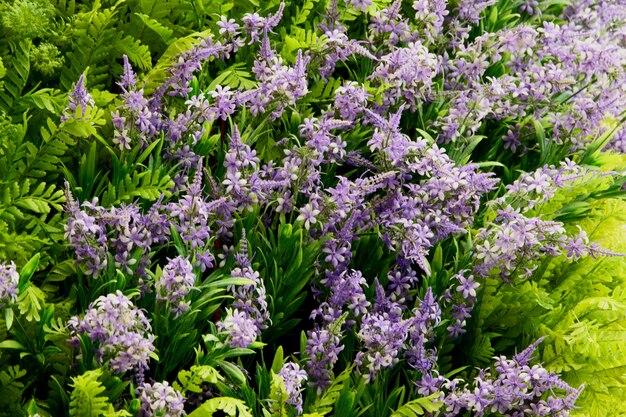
pixel 87 399
pixel 278 396
pixel 164 32
pixel 10 385
pixel 324 404
pixel 137 53
pixel 226 405
pixel 418 407
pixel 16 76
pixel 192 379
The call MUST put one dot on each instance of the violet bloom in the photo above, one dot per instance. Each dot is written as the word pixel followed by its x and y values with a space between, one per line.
pixel 160 400
pixel 129 78
pixel 351 99
pixel 322 348
pixel 250 314
pixel 120 331
pixel 9 279
pixel 79 100
pixel 225 103
pixel 308 215
pixel 227 26
pixel 175 283
pixel 425 319
pixel 240 329
pixel 383 336
pixel 361 5
pixel 293 377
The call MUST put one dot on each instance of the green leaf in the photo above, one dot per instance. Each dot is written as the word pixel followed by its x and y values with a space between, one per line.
pixel 87 399
pixel 164 32
pixel 8 317
pixel 233 372
pixel 277 363
pixel 227 405
pixel 30 302
pixel 28 270
pixel 419 406
pixel 12 344
pixel 324 403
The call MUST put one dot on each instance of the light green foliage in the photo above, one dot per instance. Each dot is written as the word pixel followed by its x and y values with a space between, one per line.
pixel 17 71
pixel 88 399
pixel 224 406
pixel 29 205
pixel 25 18
pixel 95 41
pixel 581 307
pixel 190 380
pixel 278 397
pixel 46 58
pixel 324 403
pixel 418 407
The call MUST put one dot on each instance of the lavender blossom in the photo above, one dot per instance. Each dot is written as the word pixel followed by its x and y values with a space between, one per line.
pixel 514 246
pixel 120 331
pixel 160 400
pixel 240 329
pixel 514 388
pixel 79 101
pixel 383 336
pixel 9 279
pixel 322 348
pixel 293 377
pixel 175 283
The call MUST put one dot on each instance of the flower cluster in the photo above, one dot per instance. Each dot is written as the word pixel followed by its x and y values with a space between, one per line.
pixel 175 283
pixel 9 279
pixel 79 101
pixel 249 315
pixel 293 377
pixel 464 296
pixel 159 399
pixel 514 387
pixel 123 234
pixel 514 244
pixel 120 330
pixel 385 154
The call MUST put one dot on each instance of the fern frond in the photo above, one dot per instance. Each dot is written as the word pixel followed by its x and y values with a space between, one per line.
pixel 17 72
pixel 192 379
pixel 94 43
pixel 87 399
pixel 10 385
pixel 419 406
pixel 227 405
pixel 137 53
pixel 324 404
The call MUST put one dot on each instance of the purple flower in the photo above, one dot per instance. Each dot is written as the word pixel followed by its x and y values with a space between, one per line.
pixel 351 99
pixel 308 215
pixel 160 400
pixel 128 80
pixel 383 336
pixel 120 331
pixel 322 348
pixel 224 102
pixel 79 100
pixel 293 377
pixel 227 26
pixel 361 5
pixel 240 329
pixel 175 283
pixel 9 279
pixel 467 286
